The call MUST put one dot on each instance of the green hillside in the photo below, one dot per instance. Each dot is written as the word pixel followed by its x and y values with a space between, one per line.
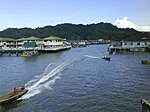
pixel 76 32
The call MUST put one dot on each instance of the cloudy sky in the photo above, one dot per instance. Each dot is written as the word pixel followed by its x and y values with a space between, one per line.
pixel 38 13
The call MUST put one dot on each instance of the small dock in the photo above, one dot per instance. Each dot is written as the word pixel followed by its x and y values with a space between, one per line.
pixel 145 105
pixel 18 51
pixel 112 49
pixel 117 48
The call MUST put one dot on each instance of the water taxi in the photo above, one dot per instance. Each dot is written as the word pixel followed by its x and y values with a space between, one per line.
pixel 11 97
pixel 145 62
pixel 106 58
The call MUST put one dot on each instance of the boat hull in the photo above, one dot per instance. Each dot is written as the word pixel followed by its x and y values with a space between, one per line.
pixel 106 58
pixel 10 97
pixel 28 54
pixel 145 62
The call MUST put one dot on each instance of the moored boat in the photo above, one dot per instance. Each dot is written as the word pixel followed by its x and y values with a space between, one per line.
pixel 28 54
pixel 145 62
pixel 13 96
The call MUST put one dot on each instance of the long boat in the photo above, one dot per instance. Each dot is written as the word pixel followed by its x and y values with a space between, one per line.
pixel 145 62
pixel 28 54
pixel 10 97
pixel 106 58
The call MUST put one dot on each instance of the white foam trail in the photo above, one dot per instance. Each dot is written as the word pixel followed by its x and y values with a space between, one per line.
pixel 45 82
pixel 38 76
pixel 89 56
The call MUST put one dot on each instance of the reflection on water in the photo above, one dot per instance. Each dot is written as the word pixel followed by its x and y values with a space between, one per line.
pixel 10 106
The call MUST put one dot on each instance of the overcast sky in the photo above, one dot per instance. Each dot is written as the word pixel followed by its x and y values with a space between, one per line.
pixel 39 13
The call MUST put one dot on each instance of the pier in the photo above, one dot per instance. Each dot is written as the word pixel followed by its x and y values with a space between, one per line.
pixel 145 105
pixel 18 51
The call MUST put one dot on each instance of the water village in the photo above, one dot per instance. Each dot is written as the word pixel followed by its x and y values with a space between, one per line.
pixel 45 45
pixel 132 45
pixel 33 45
pixel 49 44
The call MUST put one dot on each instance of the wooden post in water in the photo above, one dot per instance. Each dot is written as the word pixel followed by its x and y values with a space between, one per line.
pixel 9 53
pixel 17 54
pixel 145 105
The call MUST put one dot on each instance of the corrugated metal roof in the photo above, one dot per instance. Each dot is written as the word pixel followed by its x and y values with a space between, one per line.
pixel 21 39
pixel 7 39
pixel 52 38
pixel 67 43
pixel 33 38
pixel 29 38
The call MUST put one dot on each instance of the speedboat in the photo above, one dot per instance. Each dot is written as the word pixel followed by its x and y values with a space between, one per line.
pixel 145 62
pixel 11 97
pixel 106 58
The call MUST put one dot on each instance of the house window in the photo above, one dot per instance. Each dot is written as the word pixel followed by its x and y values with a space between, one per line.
pixel 145 43
pixel 138 43
pixel 45 40
pixel 125 43
pixel 131 43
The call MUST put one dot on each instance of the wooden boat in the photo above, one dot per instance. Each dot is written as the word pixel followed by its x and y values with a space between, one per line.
pixel 145 62
pixel 28 54
pixel 10 97
pixel 106 58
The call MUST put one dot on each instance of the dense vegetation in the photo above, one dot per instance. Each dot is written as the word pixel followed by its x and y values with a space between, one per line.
pixel 76 32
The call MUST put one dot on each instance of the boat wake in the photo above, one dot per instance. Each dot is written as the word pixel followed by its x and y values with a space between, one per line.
pixel 44 81
pixel 96 57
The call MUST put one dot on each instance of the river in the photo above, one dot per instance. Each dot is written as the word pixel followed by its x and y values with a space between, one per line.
pixel 77 80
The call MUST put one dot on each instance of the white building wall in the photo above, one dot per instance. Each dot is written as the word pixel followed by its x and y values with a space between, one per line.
pixel 1 43
pixel 53 42
pixel 40 44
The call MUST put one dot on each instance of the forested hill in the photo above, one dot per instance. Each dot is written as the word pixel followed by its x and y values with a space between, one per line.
pixel 76 32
